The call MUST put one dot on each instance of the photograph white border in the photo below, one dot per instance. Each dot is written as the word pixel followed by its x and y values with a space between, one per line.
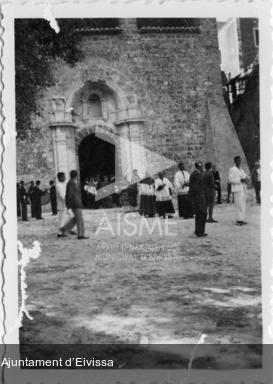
pixel 206 8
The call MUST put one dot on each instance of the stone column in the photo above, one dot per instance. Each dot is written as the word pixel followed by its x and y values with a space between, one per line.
pixel 138 155
pixel 72 156
pixel 63 134
pixel 123 152
pixel 64 147
pixel 118 159
pixel 130 148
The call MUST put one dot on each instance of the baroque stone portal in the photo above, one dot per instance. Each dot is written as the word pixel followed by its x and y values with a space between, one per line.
pixel 97 109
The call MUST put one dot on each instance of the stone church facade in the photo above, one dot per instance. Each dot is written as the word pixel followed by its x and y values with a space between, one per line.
pixel 153 92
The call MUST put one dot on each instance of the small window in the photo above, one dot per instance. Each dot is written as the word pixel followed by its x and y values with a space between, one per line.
pixel 94 105
pixel 256 36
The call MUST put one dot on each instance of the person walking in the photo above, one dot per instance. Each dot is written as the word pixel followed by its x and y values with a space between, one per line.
pixel 23 200
pixel 181 183
pixel 209 191
pixel 53 199
pixel 73 201
pixel 256 181
pixel 198 196
pixel 238 179
pixel 163 192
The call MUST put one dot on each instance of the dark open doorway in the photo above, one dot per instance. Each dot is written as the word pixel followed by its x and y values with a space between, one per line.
pixel 96 161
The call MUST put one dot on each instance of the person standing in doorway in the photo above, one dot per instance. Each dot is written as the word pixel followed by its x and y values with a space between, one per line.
pixel 86 193
pixel 209 190
pixel 238 180
pixel 53 199
pixel 181 183
pixel 198 196
pixel 91 192
pixel 23 200
pixel 73 201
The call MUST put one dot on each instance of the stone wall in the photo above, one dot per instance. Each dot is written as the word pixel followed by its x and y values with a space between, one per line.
pixel 34 154
pixel 171 79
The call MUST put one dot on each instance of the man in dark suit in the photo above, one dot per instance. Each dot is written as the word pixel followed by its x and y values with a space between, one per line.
pixel 23 200
pixel 53 198
pixel 209 190
pixel 217 182
pixel 18 200
pixel 198 196
pixel 30 196
pixel 37 202
pixel 73 201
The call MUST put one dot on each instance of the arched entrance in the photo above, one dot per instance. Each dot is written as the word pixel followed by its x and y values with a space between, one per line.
pixel 112 117
pixel 96 160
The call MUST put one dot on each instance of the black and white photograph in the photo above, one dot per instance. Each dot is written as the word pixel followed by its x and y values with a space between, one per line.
pixel 139 191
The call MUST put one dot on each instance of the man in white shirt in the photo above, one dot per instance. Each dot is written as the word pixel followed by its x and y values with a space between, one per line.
pixel 62 210
pixel 181 183
pixel 238 180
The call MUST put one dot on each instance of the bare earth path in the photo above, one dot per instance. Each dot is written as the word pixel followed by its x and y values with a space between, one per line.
pixel 150 287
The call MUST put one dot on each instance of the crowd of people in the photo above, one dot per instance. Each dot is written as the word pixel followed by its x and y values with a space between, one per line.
pixel 31 194
pixel 105 192
pixel 196 194
pixel 96 192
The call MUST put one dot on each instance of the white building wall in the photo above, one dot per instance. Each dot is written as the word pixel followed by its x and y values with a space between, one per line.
pixel 229 48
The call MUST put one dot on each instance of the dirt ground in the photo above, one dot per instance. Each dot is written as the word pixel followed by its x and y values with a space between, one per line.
pixel 158 287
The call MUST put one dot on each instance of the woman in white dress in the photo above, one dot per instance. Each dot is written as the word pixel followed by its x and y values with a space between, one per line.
pixel 163 192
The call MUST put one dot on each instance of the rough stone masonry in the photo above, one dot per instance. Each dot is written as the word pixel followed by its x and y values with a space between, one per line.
pixel 146 91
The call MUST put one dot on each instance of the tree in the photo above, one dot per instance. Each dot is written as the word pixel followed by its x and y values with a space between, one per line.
pixel 36 47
